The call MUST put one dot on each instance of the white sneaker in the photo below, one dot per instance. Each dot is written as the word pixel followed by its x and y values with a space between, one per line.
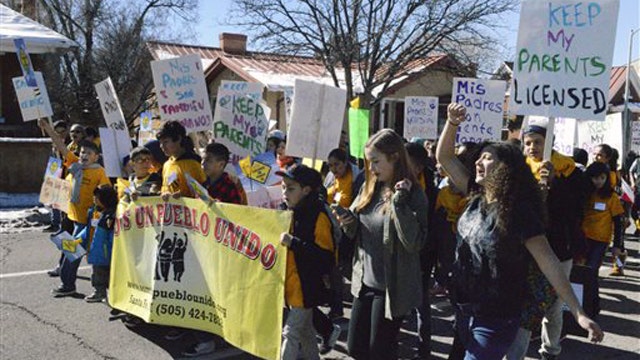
pixel 199 349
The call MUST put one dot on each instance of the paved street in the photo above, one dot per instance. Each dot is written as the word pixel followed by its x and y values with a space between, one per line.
pixel 36 326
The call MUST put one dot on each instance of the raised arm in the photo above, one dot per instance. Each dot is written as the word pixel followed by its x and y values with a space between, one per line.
pixel 548 263
pixel 58 142
pixel 445 153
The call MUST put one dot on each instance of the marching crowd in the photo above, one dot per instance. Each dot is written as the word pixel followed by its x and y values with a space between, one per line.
pixel 490 226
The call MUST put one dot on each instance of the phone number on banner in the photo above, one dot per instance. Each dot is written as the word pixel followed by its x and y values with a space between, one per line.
pixel 192 313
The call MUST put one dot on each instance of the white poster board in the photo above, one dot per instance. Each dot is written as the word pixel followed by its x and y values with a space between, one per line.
pixel 484 100
pixel 564 132
pixel 241 121
pixel 110 105
pixel 34 102
pixel 182 92
pixel 316 120
pixel 563 58
pixel 116 144
pixel 635 136
pixel 421 117
pixel 593 133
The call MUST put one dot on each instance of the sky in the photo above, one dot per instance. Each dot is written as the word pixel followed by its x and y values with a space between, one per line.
pixel 212 16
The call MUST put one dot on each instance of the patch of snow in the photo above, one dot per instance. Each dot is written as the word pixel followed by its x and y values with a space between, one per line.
pixel 20 220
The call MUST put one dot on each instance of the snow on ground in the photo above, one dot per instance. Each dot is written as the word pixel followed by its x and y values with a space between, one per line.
pixel 21 212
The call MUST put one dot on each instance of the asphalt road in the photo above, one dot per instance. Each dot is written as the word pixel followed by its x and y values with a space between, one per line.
pixel 33 325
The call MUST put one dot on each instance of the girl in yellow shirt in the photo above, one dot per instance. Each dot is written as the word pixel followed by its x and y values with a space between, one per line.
pixel 602 218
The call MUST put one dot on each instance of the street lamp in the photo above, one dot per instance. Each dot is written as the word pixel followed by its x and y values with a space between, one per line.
pixel 626 114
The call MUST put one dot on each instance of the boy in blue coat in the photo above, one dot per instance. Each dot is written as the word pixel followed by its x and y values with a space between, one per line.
pixel 98 239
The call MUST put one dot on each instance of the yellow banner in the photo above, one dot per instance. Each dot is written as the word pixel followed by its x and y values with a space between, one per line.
pixel 218 269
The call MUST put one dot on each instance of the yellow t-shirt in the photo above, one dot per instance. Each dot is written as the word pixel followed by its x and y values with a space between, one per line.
pixel 452 203
pixel 122 185
pixel 598 217
pixel 562 165
pixel 292 286
pixel 342 186
pixel 174 171
pixel 91 179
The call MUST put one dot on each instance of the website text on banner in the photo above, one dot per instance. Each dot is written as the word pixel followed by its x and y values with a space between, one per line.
pixel 110 105
pixel 182 92
pixel 33 104
pixel 317 116
pixel 241 121
pixel 218 269
pixel 421 117
pixel 483 100
pixel 563 58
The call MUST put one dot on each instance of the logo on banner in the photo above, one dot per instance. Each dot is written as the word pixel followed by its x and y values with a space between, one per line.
pixel 170 255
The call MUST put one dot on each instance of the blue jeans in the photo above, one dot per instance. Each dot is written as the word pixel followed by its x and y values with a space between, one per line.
pixel 486 338
pixel 69 269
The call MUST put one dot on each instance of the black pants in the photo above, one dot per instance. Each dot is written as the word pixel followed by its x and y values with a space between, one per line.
pixel 322 323
pixel 371 335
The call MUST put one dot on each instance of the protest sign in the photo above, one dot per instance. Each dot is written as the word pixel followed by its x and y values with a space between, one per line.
pixel 317 115
pixel 182 92
pixel 635 136
pixel 33 104
pixel 56 193
pixel 268 197
pixel 241 120
pixel 146 121
pixel 563 58
pixel 198 189
pixel 25 63
pixel 564 132
pixel 69 245
pixel 421 117
pixel 483 100
pixel 358 131
pixel 110 105
pixel 115 144
pixel 288 105
pixel 54 167
pixel 219 269
pixel 594 133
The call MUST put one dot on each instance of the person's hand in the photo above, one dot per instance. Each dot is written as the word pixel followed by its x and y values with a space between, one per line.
pixel 286 239
pixel 595 333
pixel 176 195
pixel 456 113
pixel 547 171
pixel 404 184
pixel 134 195
pixel 165 196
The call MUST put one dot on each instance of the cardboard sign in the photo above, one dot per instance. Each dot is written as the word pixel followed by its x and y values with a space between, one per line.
pixel 635 136
pixel 198 189
pixel 110 105
pixel 146 122
pixel 594 133
pixel 241 121
pixel 56 193
pixel 317 115
pixel 182 92
pixel 484 101
pixel 54 168
pixel 358 131
pixel 116 144
pixel 34 102
pixel 421 117
pixel 563 58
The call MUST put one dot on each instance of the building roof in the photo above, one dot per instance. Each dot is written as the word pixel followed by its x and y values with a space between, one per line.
pixel 275 71
pixel 38 38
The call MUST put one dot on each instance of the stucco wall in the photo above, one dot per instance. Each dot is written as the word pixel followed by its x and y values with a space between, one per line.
pixel 22 164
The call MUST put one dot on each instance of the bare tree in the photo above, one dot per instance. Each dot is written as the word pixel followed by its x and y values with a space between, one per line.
pixel 380 40
pixel 112 36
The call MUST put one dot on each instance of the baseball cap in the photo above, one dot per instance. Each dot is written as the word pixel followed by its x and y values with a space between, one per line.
pixel 303 175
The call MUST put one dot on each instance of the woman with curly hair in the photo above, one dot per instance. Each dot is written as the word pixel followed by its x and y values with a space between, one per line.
pixel 502 226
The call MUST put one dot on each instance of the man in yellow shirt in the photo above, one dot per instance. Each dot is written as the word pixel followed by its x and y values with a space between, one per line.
pixel 85 175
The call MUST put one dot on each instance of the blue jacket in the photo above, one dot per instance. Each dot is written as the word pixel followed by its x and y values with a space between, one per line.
pixel 100 244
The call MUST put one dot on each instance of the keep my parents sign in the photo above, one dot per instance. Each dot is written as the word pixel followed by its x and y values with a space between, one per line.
pixel 182 92
pixel 110 105
pixel 241 121
pixel 563 58
pixel 483 100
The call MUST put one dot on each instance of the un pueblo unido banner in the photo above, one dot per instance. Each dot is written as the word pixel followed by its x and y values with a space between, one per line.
pixel 217 268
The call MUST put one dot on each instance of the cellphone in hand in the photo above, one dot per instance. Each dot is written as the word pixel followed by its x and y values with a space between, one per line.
pixel 339 209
